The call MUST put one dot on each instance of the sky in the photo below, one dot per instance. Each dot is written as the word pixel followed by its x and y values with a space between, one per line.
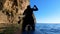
pixel 48 11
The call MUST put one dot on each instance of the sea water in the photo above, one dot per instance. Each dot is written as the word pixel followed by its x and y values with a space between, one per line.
pixel 45 28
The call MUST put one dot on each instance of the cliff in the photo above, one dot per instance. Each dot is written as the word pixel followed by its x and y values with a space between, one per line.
pixel 11 12
pixel 11 15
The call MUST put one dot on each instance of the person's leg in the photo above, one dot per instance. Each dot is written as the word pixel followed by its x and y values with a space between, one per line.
pixel 33 26
pixel 23 26
pixel 29 28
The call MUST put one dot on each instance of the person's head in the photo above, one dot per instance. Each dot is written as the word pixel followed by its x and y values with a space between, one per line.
pixel 28 6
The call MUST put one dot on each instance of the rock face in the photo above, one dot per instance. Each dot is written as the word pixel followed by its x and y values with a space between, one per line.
pixel 11 10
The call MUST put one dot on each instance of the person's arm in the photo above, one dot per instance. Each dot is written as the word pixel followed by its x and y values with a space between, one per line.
pixel 34 8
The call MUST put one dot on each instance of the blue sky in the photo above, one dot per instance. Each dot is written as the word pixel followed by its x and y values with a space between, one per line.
pixel 49 11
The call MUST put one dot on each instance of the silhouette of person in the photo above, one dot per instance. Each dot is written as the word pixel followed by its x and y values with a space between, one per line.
pixel 28 19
